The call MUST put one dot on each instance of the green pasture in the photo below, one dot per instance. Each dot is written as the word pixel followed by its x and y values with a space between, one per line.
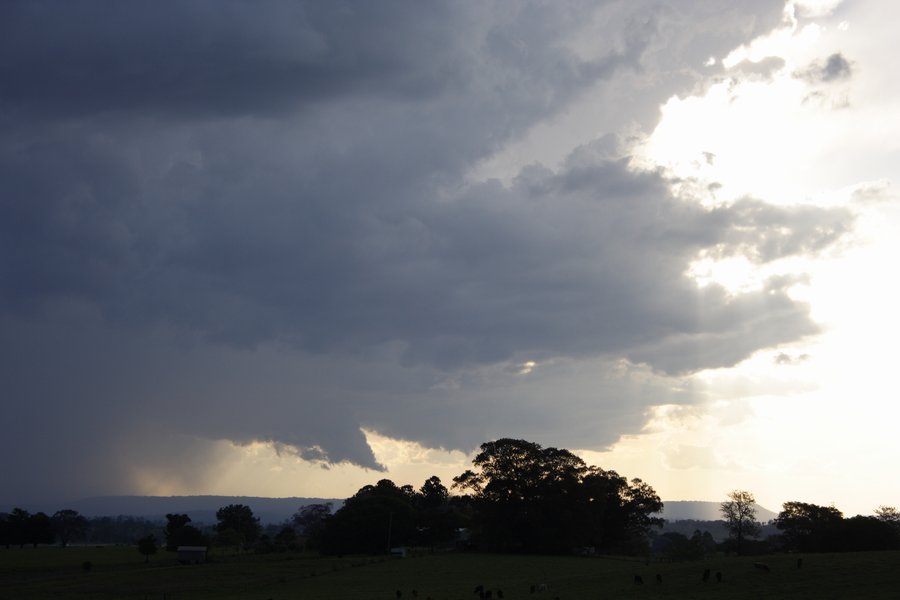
pixel 120 573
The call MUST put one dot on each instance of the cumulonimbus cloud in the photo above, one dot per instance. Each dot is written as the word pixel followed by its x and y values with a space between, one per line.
pixel 262 222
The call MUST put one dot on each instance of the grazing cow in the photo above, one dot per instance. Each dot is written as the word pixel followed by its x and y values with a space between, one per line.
pixel 719 576
pixel 658 578
pixel 638 580
pixel 706 575
pixel 399 594
pixel 762 567
pixel 500 594
pixel 533 588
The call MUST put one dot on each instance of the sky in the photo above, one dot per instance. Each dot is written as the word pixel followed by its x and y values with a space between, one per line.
pixel 290 248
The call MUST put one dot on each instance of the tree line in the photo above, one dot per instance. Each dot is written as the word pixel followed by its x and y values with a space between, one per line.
pixel 517 497
pixel 806 527
pixel 21 528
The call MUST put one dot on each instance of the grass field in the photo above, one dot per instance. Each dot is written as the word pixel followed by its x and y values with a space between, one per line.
pixel 120 572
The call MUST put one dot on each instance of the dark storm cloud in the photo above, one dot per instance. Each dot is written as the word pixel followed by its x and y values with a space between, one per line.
pixel 834 68
pixel 251 224
pixel 203 59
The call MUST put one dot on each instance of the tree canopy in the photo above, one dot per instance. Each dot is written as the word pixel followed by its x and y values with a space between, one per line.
pixel 69 525
pixel 739 513
pixel 237 522
pixel 529 498
pixel 179 533
pixel 519 496
pixel 372 520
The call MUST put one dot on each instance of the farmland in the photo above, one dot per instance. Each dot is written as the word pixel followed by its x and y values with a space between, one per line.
pixel 120 572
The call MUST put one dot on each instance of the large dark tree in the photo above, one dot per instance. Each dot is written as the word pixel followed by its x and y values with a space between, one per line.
pixel 310 521
pixel 18 527
pixel 40 529
pixel 311 517
pixel 433 493
pixel 237 522
pixel 69 525
pixel 373 520
pixel 147 545
pixel 529 498
pixel 810 527
pixel 179 533
pixel 861 533
pixel 436 518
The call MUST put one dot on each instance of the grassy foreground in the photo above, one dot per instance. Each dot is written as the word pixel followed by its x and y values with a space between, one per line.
pixel 120 573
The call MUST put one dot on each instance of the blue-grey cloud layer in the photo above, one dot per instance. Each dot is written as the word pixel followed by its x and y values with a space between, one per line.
pixel 253 221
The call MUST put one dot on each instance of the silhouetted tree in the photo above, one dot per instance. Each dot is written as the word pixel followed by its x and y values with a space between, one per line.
pixel 862 533
pixel 5 531
pixel 17 522
pixel 40 529
pixel 809 527
pixel 433 494
pixel 179 533
pixel 310 521
pixel 374 519
pixel 286 539
pixel 436 518
pixel 147 546
pixel 888 514
pixel 739 514
pixel 547 499
pixel 69 525
pixel 239 519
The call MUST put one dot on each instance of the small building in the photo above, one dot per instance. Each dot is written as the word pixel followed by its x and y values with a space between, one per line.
pixel 191 555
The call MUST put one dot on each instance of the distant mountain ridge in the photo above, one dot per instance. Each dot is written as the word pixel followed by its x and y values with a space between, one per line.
pixel 201 509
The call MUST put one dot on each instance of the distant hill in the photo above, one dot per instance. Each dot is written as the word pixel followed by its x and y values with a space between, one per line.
pixel 683 510
pixel 201 509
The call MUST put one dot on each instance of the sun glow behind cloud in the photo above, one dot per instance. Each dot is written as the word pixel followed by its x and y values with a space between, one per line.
pixel 807 417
